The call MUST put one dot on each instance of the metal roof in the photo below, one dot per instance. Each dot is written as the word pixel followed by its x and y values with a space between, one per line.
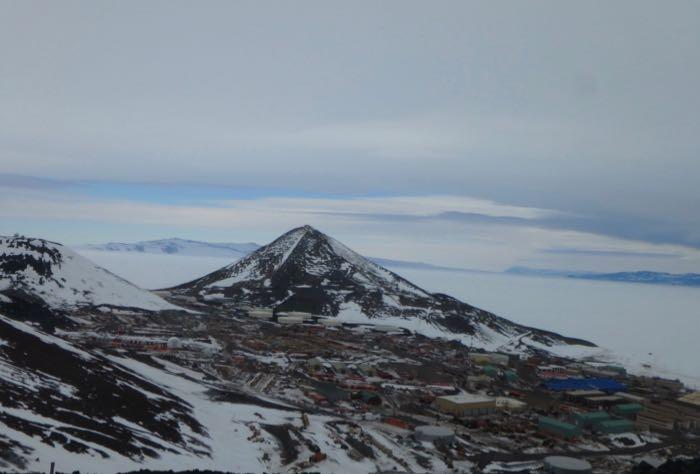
pixel 606 385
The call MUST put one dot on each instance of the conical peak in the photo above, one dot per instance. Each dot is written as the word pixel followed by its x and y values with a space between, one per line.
pixel 305 228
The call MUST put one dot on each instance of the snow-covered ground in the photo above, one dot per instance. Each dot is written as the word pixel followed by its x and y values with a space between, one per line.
pixel 640 324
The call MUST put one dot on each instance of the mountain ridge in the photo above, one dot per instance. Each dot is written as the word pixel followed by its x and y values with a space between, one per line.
pixel 641 276
pixel 176 245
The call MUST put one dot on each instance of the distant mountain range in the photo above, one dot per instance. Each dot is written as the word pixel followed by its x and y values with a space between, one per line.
pixel 176 246
pixel 194 248
pixel 657 278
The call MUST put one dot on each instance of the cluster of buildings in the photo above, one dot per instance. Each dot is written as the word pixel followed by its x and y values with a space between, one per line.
pixel 427 393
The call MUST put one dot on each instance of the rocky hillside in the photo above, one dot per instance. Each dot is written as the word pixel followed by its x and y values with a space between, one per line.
pixel 60 278
pixel 306 270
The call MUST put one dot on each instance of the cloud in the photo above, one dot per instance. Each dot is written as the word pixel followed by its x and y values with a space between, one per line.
pixel 513 117
pixel 494 236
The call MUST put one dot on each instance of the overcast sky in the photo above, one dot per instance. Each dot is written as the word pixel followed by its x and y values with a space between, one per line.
pixel 475 134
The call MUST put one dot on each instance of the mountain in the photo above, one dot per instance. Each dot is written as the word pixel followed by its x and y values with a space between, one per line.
pixel 306 270
pixel 658 278
pixel 177 246
pixel 36 269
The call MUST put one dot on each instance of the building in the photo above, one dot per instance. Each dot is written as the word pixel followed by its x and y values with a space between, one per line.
pixel 627 410
pixel 330 322
pixel 552 426
pixel 669 415
pixel 290 320
pixel 566 465
pixel 603 401
pixel 490 371
pixel 602 384
pixel 691 399
pixel 631 398
pixel 481 358
pixel 260 313
pixel 299 314
pixel 590 419
pixel 615 426
pixel 434 433
pixel 465 404
pixel 475 381
pixel 510 404
pixel 579 396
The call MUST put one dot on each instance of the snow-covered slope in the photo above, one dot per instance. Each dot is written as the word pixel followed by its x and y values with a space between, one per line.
pixel 306 270
pixel 95 412
pixel 63 279
pixel 177 246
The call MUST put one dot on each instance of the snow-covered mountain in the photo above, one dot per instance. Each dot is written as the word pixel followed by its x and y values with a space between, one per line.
pixel 655 278
pixel 306 270
pixel 62 279
pixel 177 246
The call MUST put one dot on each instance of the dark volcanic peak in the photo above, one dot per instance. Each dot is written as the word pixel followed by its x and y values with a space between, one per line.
pixel 306 257
pixel 306 270
pixel 60 278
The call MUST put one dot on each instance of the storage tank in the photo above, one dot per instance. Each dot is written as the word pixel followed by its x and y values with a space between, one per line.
pixel 434 433
pixel 566 465
pixel 174 343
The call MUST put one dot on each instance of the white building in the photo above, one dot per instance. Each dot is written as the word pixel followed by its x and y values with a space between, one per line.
pixel 290 320
pixel 299 314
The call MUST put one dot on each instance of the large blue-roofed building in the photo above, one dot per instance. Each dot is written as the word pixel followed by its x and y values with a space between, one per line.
pixel 605 385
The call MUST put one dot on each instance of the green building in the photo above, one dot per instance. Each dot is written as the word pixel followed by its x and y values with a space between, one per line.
pixel 615 368
pixel 511 376
pixel 615 426
pixel 628 410
pixel 590 419
pixel 558 428
pixel 490 370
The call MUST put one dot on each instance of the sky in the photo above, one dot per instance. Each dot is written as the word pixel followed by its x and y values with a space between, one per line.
pixel 472 134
